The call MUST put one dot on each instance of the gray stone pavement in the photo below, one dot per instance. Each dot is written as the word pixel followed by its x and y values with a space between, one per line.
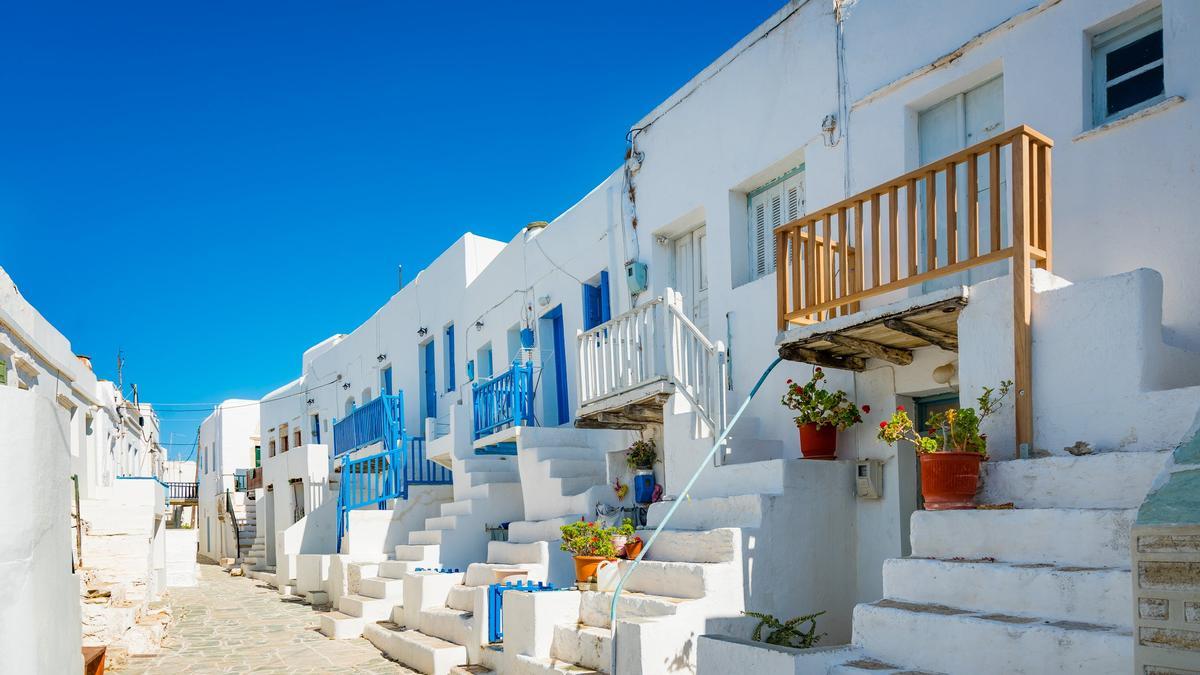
pixel 240 625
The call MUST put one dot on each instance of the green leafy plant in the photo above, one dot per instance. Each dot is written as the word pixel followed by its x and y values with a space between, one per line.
pixel 625 529
pixel 588 538
pixel 955 430
pixel 641 455
pixel 819 406
pixel 788 633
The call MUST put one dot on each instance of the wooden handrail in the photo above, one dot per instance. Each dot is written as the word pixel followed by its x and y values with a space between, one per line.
pixel 888 238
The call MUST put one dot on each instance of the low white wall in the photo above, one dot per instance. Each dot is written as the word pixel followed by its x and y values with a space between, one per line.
pixel 372 531
pixel 40 617
pixel 181 557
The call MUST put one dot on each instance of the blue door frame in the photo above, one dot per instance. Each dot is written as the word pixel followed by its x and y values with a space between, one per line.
pixel 555 316
pixel 430 379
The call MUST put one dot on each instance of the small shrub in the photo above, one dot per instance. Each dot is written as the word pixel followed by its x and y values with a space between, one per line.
pixel 641 455
pixel 787 633
pixel 820 406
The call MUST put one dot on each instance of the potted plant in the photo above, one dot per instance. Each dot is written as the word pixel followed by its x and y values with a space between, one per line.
pixel 621 536
pixel 822 413
pixel 951 449
pixel 590 543
pixel 641 457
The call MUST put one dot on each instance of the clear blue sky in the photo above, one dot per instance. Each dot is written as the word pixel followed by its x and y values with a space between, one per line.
pixel 215 186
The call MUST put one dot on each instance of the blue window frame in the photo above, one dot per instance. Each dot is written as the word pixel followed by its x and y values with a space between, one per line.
pixel 597 308
pixel 449 348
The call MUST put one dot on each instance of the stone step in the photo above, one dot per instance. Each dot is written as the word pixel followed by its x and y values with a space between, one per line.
pixel 1090 595
pixel 584 646
pixel 1107 480
pixel 702 546
pixel 529 665
pixel 461 507
pixel 684 580
pixel 489 464
pixel 382 587
pixel 339 626
pixel 870 666
pixel 594 607
pixel 744 511
pixel 441 523
pixel 568 468
pixel 940 638
pixel 1083 537
pixel 477 669
pixel 525 531
pixel 577 485
pixel 370 609
pixel 430 655
pixel 493 477
pixel 484 574
pixel 396 569
pixel 447 623
pixel 566 451
pixel 461 597
pixel 422 552
pixel 425 537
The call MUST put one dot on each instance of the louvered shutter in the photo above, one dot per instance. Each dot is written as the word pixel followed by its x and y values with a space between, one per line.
pixel 771 207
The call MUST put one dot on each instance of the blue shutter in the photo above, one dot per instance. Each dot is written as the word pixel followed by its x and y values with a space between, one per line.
pixel 605 298
pixel 450 379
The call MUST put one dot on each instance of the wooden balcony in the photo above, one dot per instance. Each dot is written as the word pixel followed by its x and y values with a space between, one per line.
pixel 988 203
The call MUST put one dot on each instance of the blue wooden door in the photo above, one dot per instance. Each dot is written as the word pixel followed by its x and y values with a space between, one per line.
pixel 385 381
pixel 560 364
pixel 430 380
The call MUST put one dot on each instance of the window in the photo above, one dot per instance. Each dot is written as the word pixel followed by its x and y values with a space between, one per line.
pixel 597 308
pixel 449 356
pixel 1128 67
pixel 271 448
pixel 297 441
pixel 779 201
pixel 483 360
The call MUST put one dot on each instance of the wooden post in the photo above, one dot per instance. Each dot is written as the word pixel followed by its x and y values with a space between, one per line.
pixel 1022 309
pixel 781 279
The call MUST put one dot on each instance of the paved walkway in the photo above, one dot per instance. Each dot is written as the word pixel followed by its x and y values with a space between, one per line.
pixel 240 625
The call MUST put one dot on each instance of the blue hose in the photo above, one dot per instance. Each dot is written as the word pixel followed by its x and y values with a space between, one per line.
pixel 612 612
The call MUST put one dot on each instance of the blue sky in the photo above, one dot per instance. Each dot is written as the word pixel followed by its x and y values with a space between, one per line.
pixel 215 186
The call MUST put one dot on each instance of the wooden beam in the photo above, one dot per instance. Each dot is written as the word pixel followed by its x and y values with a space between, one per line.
pixel 795 352
pixel 896 355
pixel 933 336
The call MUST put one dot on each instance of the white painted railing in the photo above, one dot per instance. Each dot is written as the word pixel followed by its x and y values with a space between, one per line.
pixel 654 341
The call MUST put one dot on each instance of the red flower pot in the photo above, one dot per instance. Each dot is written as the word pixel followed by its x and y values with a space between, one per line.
pixel 949 480
pixel 818 442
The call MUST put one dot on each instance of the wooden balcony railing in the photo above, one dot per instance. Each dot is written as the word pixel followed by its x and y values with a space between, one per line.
pixel 988 203
pixel 925 224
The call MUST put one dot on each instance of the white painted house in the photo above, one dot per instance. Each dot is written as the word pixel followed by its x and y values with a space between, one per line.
pixel 226 451
pixel 792 199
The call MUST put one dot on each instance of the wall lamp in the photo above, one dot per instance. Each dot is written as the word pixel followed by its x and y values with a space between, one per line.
pixel 311 401
pixel 346 385
pixel 381 358
pixel 479 325
pixel 422 331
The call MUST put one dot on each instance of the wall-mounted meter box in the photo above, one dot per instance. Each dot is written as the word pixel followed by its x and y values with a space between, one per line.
pixel 868 478
pixel 635 277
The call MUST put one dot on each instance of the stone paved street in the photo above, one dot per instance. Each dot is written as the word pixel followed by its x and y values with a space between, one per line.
pixel 240 625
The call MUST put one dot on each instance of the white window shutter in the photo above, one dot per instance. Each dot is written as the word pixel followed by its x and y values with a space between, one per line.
pixel 760 249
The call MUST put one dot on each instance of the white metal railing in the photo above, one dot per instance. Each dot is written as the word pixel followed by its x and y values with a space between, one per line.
pixel 655 341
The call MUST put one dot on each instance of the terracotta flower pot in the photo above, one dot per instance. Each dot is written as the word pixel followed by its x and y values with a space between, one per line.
pixel 585 566
pixel 818 442
pixel 633 547
pixel 949 480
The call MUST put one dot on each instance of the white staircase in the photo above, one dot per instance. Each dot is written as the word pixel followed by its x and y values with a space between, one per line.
pixel 1042 588
pixel 378 591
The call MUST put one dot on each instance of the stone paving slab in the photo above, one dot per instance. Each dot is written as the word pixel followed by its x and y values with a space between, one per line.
pixel 230 624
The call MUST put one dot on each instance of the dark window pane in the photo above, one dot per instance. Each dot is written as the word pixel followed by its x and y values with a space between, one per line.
pixel 1140 87
pixel 1134 55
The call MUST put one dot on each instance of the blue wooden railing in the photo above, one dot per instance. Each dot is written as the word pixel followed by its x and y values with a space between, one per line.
pixel 373 422
pixel 506 399
pixel 419 470
pixel 496 603
pixel 368 481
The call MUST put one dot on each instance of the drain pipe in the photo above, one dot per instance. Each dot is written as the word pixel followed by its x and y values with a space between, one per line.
pixel 612 611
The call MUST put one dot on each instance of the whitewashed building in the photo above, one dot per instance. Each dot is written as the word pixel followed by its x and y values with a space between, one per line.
pixel 226 454
pixel 792 199
pixel 84 499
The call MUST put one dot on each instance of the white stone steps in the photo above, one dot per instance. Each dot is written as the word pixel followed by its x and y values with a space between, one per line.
pixel 460 507
pixel 420 552
pixel 703 546
pixel 425 537
pixel 569 468
pixel 529 665
pixel 741 511
pixel 525 531
pixel 371 609
pixel 493 477
pixel 1107 480
pixel 941 638
pixel 382 587
pixel 594 607
pixel 461 598
pixel 1092 595
pixel 340 626
pixel 447 623
pixel 441 523
pixel 486 464
pixel 576 485
pixel 483 574
pixel 396 569
pixel 870 666
pixel 428 654
pixel 684 580
pixel 585 646
pixel 1086 537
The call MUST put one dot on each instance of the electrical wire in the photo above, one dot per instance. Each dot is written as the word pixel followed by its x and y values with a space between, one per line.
pixel 211 406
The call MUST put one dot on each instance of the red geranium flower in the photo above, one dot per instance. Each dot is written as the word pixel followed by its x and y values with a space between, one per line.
pixel 900 408
pixel 883 425
pixel 866 409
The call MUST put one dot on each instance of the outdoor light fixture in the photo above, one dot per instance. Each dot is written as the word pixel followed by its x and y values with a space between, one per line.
pixel 381 358
pixel 346 385
pixel 479 325
pixel 544 300
pixel 662 241
pixel 310 401
pixel 422 331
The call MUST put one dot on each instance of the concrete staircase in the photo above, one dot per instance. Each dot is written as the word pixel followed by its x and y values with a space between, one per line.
pixel 1041 588
pixel 375 589
pixel 443 619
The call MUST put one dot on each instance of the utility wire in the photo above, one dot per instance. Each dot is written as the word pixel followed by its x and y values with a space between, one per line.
pixel 210 406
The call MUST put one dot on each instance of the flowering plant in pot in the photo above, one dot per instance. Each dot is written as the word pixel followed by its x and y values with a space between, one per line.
pixel 591 543
pixel 641 457
pixel 951 449
pixel 822 413
pixel 621 535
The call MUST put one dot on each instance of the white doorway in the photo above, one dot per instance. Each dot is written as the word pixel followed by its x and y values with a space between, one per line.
pixel 689 274
pixel 957 122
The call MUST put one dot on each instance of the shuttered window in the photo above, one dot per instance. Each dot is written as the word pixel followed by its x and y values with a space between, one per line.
pixel 1128 67
pixel 779 201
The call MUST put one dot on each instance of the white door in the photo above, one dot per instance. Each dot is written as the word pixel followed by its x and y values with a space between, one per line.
pixel 689 275
pixel 953 124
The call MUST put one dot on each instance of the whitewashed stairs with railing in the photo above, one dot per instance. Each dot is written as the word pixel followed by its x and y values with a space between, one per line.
pixel 375 589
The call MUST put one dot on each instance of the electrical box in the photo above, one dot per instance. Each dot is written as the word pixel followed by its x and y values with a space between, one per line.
pixel 868 478
pixel 635 277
